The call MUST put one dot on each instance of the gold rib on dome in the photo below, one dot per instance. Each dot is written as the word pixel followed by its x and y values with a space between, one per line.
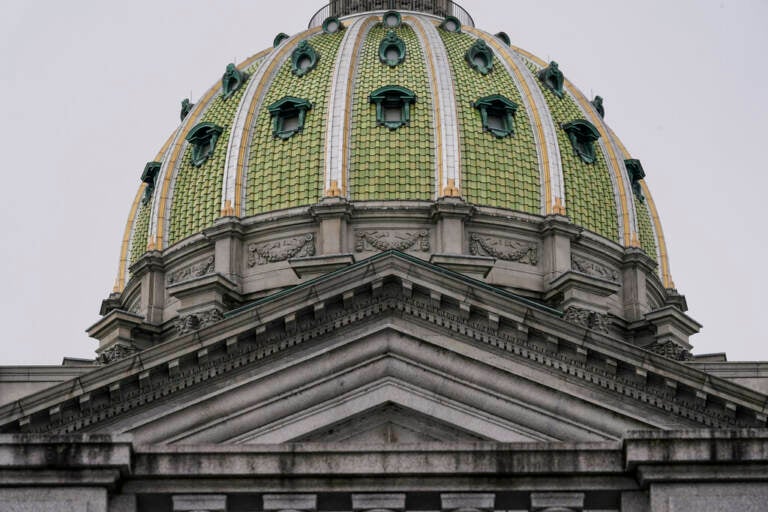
pixel 285 173
pixel 126 250
pixel 188 123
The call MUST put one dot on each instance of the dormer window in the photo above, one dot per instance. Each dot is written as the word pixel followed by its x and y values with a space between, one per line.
pixel 392 50
pixel 332 25
pixel 480 57
pixel 451 24
pixel 149 176
pixel 497 114
pixel 391 19
pixel 303 59
pixel 552 78
pixel 203 138
pixel 393 106
pixel 279 38
pixel 583 135
pixel 231 81
pixel 288 115
pixel 636 173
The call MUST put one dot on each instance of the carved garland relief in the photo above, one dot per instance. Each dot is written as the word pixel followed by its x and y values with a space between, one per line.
pixel 590 268
pixel 392 240
pixel 281 250
pixel 199 269
pixel 504 249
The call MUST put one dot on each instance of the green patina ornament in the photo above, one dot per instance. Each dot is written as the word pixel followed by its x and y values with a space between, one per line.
pixel 504 37
pixel 393 105
pixel 598 104
pixel 231 80
pixel 583 135
pixel 279 38
pixel 288 116
pixel 149 176
pixel 480 57
pixel 552 78
pixel 497 114
pixel 392 50
pixel 186 107
pixel 203 138
pixel 392 19
pixel 636 173
pixel 332 25
pixel 304 59
pixel 451 24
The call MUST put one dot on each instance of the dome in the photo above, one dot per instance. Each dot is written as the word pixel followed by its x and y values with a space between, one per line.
pixel 389 120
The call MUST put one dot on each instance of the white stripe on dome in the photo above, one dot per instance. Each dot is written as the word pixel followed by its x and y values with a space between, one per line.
pixel 340 89
pixel 239 125
pixel 542 115
pixel 439 72
pixel 170 165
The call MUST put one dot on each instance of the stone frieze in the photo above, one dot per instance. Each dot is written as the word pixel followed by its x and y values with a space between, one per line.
pixel 590 268
pixel 199 269
pixel 504 249
pixel 281 250
pixel 392 240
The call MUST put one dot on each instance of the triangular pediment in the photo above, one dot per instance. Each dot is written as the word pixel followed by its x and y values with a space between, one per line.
pixel 395 347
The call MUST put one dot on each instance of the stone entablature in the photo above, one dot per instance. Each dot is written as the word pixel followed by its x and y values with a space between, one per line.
pixel 645 471
pixel 391 285
pixel 520 252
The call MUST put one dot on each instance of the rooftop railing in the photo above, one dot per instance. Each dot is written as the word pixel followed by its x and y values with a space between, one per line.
pixel 441 8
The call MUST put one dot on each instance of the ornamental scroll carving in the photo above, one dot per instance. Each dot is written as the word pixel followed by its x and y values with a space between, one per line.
pixel 392 240
pixel 197 321
pixel 590 268
pixel 504 249
pixel 587 319
pixel 115 353
pixel 281 250
pixel 199 269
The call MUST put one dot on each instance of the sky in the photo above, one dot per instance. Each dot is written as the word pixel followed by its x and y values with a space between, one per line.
pixel 90 90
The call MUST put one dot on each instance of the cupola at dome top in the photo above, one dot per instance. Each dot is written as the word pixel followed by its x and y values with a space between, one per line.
pixel 440 8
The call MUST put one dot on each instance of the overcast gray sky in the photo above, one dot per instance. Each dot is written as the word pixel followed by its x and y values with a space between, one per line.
pixel 89 91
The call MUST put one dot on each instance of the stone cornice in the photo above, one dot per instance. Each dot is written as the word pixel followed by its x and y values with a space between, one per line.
pixel 496 305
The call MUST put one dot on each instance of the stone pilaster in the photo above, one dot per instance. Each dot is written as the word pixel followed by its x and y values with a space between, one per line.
pixel 332 215
pixel 150 270
pixel 636 268
pixel 227 236
pixel 557 234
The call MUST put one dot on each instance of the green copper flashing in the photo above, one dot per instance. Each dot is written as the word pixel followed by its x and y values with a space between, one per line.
pixel 149 176
pixel 186 108
pixel 392 19
pixel 203 138
pixel 583 135
pixel 231 80
pixel 636 173
pixel 392 50
pixel 288 115
pixel 598 104
pixel 552 78
pixel 480 57
pixel 279 38
pixel 332 24
pixel 393 105
pixel 451 24
pixel 303 59
pixel 504 38
pixel 497 115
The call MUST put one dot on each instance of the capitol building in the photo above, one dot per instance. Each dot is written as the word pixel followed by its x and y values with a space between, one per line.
pixel 393 263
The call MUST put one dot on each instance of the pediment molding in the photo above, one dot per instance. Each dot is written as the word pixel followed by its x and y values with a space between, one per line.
pixel 391 284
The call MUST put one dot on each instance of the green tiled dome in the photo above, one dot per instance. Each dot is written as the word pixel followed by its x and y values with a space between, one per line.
pixel 298 122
